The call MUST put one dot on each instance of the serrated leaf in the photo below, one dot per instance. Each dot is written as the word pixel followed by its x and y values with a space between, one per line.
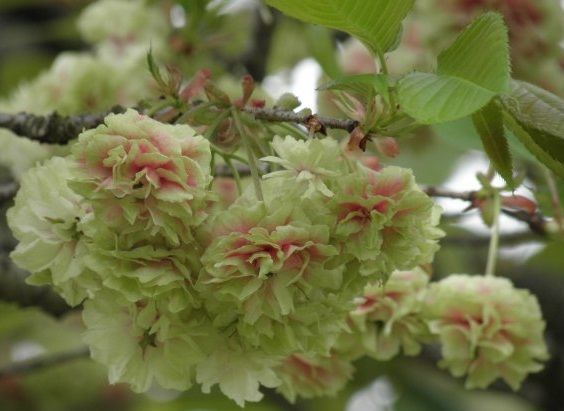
pixel 545 147
pixel 433 99
pixel 480 54
pixel 154 70
pixel 473 70
pixel 362 84
pixel 489 125
pixel 375 22
pixel 536 107
pixel 538 117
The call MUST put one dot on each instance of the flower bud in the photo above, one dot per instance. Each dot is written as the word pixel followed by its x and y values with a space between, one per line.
pixel 287 102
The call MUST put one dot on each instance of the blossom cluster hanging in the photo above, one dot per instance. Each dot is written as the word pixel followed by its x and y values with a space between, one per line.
pixel 181 288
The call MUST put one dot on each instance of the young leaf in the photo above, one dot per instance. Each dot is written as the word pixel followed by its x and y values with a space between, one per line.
pixel 433 99
pixel 545 147
pixel 489 124
pixel 480 54
pixel 375 22
pixel 154 70
pixel 362 84
pixel 473 70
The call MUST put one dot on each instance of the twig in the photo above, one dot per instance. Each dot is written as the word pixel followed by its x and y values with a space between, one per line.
pixel 43 362
pixel 57 129
pixel 52 128
pixel 282 116
pixel 536 222
pixel 445 193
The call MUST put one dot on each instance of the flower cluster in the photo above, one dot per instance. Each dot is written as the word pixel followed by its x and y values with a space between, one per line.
pixel 388 318
pixel 312 376
pixel 179 288
pixel 136 171
pixel 487 328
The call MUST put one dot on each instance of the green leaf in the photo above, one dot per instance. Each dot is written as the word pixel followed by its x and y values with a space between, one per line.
pixel 433 99
pixel 489 124
pixel 536 107
pixel 538 117
pixel 480 54
pixel 545 147
pixel 363 84
pixel 154 70
pixel 473 70
pixel 375 22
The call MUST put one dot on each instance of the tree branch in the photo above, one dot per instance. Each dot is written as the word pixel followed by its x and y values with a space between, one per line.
pixel 43 362
pixel 536 222
pixel 52 128
pixel 445 193
pixel 57 129
pixel 317 122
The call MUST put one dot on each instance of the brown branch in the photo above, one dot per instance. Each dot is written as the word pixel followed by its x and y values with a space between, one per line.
pixel 52 128
pixel 282 116
pixel 445 193
pixel 57 129
pixel 536 222
pixel 43 362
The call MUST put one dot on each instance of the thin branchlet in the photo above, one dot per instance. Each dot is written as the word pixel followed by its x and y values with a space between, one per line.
pixel 57 129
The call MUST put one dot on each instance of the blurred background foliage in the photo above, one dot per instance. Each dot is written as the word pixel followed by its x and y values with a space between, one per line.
pixel 245 38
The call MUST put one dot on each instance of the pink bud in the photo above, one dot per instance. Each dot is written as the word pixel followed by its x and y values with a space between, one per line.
pixel 248 86
pixel 372 162
pixel 520 203
pixel 356 140
pixel 196 85
pixel 257 103
pixel 387 146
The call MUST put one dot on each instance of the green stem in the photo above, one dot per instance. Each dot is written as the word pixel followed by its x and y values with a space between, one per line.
pixel 159 106
pixel 494 240
pixel 236 175
pixel 251 156
pixel 383 63
pixel 392 90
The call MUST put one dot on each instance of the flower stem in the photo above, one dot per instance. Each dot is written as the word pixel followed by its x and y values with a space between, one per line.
pixel 494 240
pixel 251 156
pixel 392 91
pixel 235 172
